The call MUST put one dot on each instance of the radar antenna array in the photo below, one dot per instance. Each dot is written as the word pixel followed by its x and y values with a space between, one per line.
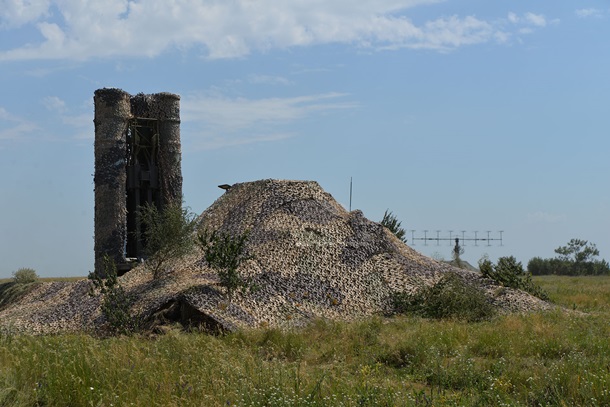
pixel 464 238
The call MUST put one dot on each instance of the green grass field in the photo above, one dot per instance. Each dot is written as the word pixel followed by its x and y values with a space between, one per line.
pixel 551 359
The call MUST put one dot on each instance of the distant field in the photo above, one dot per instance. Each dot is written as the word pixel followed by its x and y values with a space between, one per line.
pixel 585 293
pixel 46 279
pixel 548 359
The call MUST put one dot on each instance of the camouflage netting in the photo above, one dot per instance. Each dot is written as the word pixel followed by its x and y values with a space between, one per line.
pixel 312 259
pixel 114 108
pixel 165 107
pixel 112 114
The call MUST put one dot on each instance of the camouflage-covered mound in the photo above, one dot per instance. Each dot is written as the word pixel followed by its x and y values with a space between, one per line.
pixel 311 259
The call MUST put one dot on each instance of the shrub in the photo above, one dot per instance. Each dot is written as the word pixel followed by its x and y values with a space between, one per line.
pixel 11 292
pixel 450 298
pixel 509 273
pixel 394 225
pixel 116 303
pixel 224 253
pixel 25 276
pixel 168 233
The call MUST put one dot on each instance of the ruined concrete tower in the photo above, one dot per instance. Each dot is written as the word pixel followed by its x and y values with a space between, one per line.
pixel 137 161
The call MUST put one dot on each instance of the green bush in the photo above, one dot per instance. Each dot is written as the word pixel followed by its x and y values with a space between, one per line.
pixel 116 303
pixel 509 273
pixel 450 298
pixel 394 225
pixel 10 292
pixel 224 253
pixel 25 276
pixel 168 233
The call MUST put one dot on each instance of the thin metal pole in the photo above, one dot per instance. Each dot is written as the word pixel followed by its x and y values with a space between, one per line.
pixel 350 194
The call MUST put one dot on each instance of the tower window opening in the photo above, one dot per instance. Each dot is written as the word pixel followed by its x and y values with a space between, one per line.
pixel 142 179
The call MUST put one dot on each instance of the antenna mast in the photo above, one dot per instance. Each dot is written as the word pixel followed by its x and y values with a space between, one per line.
pixel 350 194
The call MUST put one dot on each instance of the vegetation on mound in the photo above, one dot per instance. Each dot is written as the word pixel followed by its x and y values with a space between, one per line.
pixel 116 303
pixel 391 222
pixel 509 273
pixel 225 253
pixel 11 292
pixel 531 360
pixel 25 275
pixel 450 298
pixel 168 234
pixel 24 280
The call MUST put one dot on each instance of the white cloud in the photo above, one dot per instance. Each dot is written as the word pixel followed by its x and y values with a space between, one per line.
pixel 526 23
pixel 15 13
pixel 530 20
pixel 235 28
pixel 222 121
pixel 13 127
pixel 240 113
pixel 545 217
pixel 79 120
pixel 513 18
pixel 17 131
pixel 537 20
pixel 268 80
pixel 54 103
pixel 454 32
pixel 589 12
pixel 215 142
pixel 82 124
pixel 4 114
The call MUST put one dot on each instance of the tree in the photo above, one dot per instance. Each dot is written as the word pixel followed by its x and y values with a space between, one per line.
pixel 394 225
pixel 574 259
pixel 224 253
pixel 25 276
pixel 509 273
pixel 577 251
pixel 168 233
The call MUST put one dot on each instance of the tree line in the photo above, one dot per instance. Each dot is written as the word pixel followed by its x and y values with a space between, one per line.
pixel 577 258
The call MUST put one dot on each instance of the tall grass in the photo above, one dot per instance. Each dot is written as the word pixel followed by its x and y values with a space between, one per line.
pixel 547 359
pixel 585 293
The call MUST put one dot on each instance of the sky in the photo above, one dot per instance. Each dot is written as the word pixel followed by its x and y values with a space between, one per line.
pixel 454 115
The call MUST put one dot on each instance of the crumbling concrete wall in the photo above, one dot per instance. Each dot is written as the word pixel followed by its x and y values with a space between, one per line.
pixel 114 109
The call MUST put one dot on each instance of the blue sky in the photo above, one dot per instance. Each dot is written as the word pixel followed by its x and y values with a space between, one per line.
pixel 469 115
